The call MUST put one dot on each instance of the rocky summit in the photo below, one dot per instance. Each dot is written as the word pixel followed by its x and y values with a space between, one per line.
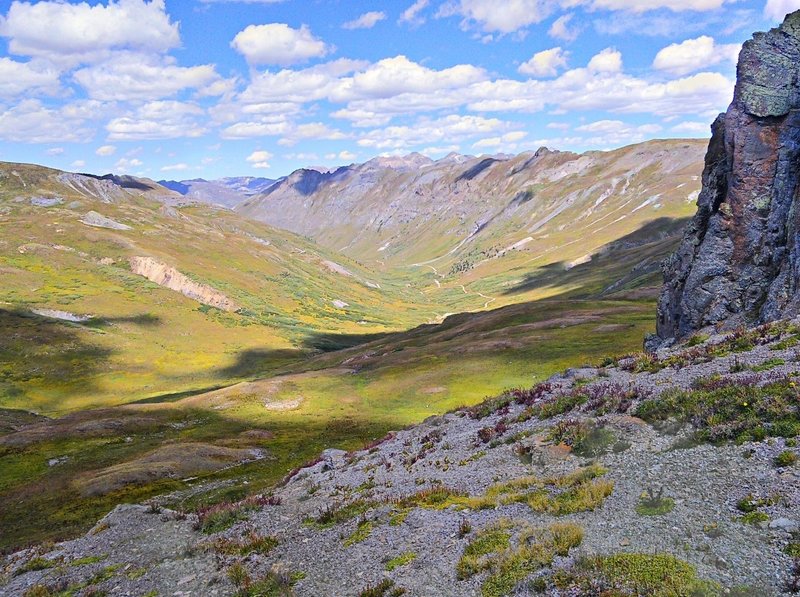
pixel 739 261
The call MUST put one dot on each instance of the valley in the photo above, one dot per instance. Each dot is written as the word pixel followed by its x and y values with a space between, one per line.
pixel 322 311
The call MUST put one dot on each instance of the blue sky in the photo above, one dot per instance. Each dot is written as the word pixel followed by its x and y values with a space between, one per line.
pixel 211 88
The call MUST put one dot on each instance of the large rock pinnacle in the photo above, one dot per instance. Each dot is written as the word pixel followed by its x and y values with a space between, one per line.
pixel 739 261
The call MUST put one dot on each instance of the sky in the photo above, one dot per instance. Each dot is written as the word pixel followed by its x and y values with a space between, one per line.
pixel 183 89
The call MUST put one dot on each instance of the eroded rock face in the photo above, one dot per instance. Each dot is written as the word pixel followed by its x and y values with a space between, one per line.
pixel 169 277
pixel 739 261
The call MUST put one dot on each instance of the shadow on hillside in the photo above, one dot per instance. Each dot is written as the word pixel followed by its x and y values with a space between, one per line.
pixel 48 351
pixel 632 245
pixel 623 263
pixel 329 342
pixel 258 361
pixel 144 320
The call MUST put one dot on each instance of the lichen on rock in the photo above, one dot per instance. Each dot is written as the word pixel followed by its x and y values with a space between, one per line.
pixel 739 261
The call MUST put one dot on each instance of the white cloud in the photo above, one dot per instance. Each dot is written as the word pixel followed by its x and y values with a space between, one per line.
pixel 673 5
pixel 616 132
pixel 68 34
pixel 545 63
pixel 507 140
pixel 366 21
pixel 77 164
pixel 30 121
pixel 173 167
pixel 355 83
pixel 502 16
pixel 694 54
pixel 259 159
pixel 451 128
pixel 311 130
pixel 26 77
pixel 411 14
pixel 347 156
pixel 394 76
pixel 246 130
pixel 607 61
pixel 560 28
pixel 53 151
pixel 277 43
pixel 308 157
pixel 158 120
pixel 694 128
pixel 778 9
pixel 129 77
pixel 127 164
pixel 432 152
pixel 105 150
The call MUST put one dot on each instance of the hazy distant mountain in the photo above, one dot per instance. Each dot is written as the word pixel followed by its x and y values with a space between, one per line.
pixel 487 214
pixel 227 192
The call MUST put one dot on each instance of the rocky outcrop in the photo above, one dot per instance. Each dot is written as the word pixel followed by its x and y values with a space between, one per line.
pixel 739 262
pixel 169 277
pixel 97 220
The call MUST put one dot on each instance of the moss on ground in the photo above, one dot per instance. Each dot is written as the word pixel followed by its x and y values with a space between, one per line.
pixel 636 574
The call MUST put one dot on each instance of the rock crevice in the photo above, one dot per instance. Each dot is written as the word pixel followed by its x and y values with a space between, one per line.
pixel 739 261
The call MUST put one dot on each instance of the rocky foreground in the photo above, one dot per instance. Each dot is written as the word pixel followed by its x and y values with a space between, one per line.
pixel 668 475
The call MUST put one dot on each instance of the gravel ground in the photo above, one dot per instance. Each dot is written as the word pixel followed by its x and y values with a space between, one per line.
pixel 141 551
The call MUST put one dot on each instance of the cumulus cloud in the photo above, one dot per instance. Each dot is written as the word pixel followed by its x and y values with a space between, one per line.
pixel 673 5
pixel 778 9
pixel 616 132
pixel 17 78
pixel 560 28
pixel 607 61
pixel 30 121
pixel 693 128
pixel 451 128
pixel 78 164
pixel 508 141
pixel 68 34
pixel 366 21
pixel 501 16
pixel 393 76
pixel 411 14
pixel 262 128
pixel 311 130
pixel 172 167
pixel 694 54
pixel 128 164
pixel 159 120
pixel 105 150
pixel 131 77
pixel 259 159
pixel 545 63
pixel 277 43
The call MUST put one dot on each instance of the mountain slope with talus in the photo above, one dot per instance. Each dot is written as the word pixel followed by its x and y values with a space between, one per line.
pixel 486 217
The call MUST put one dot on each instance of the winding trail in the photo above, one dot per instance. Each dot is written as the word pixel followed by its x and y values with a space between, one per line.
pixel 480 294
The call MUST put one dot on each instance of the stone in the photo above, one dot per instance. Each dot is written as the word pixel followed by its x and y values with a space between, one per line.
pixel 784 524
pixel 739 260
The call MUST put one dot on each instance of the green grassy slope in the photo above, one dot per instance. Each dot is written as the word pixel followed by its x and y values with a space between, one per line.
pixel 144 339
pixel 290 373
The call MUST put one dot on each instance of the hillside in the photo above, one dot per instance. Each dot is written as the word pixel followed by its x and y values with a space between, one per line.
pixel 137 318
pixel 619 479
pixel 486 221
